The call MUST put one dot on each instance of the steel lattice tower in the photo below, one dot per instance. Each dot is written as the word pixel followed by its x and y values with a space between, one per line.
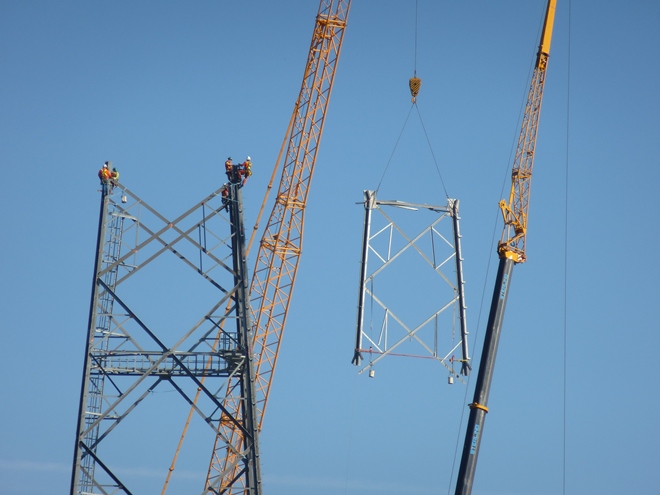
pixel 436 247
pixel 128 359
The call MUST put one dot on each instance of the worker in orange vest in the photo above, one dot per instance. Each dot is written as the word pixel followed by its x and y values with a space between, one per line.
pixel 105 176
pixel 229 166
pixel 225 196
pixel 245 170
pixel 104 173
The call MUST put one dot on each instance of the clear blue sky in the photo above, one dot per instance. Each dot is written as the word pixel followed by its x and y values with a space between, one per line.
pixel 166 90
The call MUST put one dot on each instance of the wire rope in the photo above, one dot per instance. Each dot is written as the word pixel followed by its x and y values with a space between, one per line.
pixel 431 148
pixel 428 142
pixel 349 448
pixel 566 192
pixel 416 17
pixel 414 89
pixel 395 146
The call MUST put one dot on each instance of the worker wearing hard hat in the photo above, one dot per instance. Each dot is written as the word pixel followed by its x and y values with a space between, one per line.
pixel 104 173
pixel 245 170
pixel 229 166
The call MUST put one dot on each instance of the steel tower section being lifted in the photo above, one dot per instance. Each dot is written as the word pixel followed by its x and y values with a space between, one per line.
pixel 402 255
pixel 129 360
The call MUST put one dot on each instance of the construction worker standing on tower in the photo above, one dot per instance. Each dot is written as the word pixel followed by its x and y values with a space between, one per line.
pixel 105 175
pixel 245 170
pixel 229 166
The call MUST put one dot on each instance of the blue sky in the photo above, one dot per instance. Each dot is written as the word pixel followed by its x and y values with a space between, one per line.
pixel 166 90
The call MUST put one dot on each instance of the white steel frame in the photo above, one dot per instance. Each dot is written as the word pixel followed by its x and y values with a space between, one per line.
pixel 383 344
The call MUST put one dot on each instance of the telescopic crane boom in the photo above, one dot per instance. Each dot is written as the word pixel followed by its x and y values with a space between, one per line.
pixel 511 251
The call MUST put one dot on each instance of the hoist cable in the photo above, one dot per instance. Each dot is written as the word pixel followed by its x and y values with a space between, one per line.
pixel 566 176
pixel 416 10
pixel 395 146
pixel 432 153
pixel 351 433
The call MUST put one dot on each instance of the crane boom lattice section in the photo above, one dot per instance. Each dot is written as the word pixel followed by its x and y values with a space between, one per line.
pixel 280 248
pixel 515 211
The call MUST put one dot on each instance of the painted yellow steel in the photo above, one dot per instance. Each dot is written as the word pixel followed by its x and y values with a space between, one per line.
pixel 280 248
pixel 548 25
pixel 415 83
pixel 515 211
pixel 476 405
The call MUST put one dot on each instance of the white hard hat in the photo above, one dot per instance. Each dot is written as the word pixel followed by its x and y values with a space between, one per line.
pixel 248 158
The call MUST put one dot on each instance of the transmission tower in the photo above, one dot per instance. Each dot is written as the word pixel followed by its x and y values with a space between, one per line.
pixel 129 360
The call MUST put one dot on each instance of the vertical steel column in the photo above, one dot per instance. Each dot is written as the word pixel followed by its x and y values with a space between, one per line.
pixel 245 337
pixel 479 406
pixel 460 287
pixel 78 477
pixel 369 204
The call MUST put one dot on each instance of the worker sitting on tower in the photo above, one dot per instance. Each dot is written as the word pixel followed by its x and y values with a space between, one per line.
pixel 114 176
pixel 245 170
pixel 229 166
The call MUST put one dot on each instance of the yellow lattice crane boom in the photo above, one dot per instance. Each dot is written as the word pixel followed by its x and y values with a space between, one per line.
pixel 515 210
pixel 280 247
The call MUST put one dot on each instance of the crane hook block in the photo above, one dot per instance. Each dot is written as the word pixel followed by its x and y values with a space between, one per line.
pixel 414 84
